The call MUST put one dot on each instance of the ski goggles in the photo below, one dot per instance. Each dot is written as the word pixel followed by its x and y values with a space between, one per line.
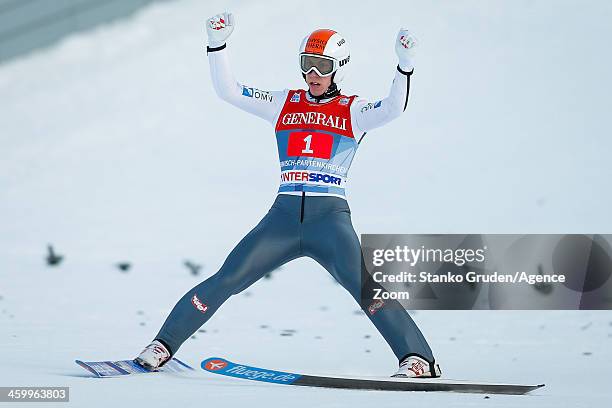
pixel 322 65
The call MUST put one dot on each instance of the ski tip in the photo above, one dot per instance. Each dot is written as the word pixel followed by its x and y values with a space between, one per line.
pixel 532 388
pixel 88 368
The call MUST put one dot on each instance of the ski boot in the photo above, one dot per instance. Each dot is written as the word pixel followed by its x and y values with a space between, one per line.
pixel 417 367
pixel 154 356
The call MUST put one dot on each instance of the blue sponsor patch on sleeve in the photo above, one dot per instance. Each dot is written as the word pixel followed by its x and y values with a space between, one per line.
pixel 247 91
pixel 371 105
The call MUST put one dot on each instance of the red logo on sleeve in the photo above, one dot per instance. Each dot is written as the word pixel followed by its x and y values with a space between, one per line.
pixel 310 144
pixel 198 304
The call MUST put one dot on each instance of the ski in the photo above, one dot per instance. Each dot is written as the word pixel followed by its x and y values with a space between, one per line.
pixel 222 366
pixel 126 367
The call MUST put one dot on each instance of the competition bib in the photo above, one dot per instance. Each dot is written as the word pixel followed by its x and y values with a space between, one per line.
pixel 315 144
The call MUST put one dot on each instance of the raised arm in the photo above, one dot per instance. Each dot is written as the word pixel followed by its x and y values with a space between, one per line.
pixel 367 115
pixel 265 104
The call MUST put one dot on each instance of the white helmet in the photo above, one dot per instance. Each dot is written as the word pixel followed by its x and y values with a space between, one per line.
pixel 326 52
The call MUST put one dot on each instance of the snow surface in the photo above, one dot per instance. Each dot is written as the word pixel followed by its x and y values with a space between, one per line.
pixel 114 147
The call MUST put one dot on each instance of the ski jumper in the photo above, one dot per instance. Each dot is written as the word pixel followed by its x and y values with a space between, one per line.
pixel 317 141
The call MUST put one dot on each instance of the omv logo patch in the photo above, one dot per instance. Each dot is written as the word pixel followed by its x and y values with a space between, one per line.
pixel 251 92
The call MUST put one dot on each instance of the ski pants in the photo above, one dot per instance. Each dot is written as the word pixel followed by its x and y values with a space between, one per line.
pixel 315 226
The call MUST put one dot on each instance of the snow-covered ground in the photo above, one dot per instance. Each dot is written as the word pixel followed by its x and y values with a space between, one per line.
pixel 114 147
